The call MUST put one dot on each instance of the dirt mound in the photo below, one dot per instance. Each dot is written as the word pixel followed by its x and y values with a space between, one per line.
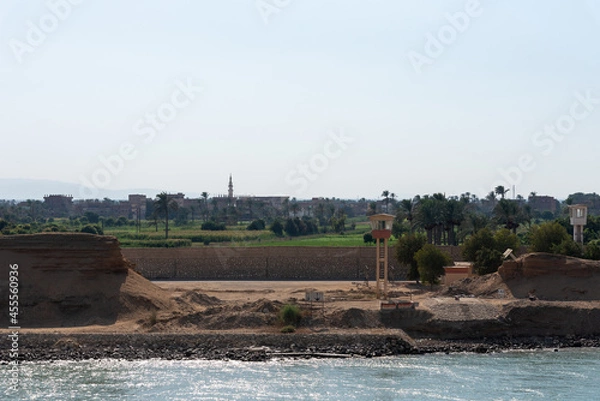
pixel 544 264
pixel 265 306
pixel 226 317
pixel 74 280
pixel 355 318
pixel 539 275
pixel 139 296
pixel 229 321
pixel 463 311
pixel 481 286
pixel 198 298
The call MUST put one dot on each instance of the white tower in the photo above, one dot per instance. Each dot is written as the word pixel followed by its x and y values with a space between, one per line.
pixel 578 214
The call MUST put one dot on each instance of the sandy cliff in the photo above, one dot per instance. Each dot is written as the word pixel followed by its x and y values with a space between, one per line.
pixel 73 280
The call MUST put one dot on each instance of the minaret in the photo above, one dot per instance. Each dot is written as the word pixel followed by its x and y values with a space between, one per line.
pixel 230 191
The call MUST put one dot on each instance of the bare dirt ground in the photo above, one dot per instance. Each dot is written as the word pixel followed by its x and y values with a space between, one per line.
pixel 249 307
pixel 338 294
pixel 480 306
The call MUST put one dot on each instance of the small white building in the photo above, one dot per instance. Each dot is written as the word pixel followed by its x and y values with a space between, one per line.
pixel 459 271
pixel 578 214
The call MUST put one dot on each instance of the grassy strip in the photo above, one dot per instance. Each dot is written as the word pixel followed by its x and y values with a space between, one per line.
pixel 314 240
pixel 164 243
pixel 198 236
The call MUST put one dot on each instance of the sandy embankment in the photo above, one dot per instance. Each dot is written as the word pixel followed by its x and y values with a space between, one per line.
pixel 79 297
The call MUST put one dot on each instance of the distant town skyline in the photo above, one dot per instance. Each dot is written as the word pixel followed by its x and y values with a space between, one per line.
pixel 13 189
pixel 302 98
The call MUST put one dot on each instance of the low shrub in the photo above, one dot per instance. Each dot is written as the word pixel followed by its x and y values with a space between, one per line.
pixel 290 315
pixel 213 226
pixel 487 261
pixel 153 318
pixel 431 262
pixel 288 329
pixel 368 238
pixel 92 229
pixel 256 225
pixel 592 250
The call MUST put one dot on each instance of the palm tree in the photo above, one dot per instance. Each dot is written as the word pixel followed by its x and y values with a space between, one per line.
pixel 499 190
pixel 488 203
pixel 429 216
pixel 510 214
pixel 439 231
pixel 204 202
pixel 474 221
pixel 386 199
pixel 407 208
pixel 454 216
pixel 162 205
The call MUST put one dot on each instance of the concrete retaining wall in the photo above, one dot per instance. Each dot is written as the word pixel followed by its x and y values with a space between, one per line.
pixel 260 263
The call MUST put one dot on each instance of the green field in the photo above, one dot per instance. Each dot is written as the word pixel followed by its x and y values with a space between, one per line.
pixel 237 236
pixel 313 240
pixel 191 234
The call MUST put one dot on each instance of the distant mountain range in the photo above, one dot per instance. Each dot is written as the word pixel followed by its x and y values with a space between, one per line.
pixel 22 189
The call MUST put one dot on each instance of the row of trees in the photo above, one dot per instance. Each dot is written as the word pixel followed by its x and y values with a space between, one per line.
pixel 333 219
pixel 228 211
pixel 163 210
pixel 450 220
pixel 484 235
pixel 485 248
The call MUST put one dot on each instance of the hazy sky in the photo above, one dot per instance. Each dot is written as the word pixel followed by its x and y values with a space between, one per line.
pixel 305 98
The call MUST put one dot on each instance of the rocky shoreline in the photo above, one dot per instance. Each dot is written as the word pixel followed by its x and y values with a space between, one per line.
pixel 244 347
pixel 490 345
pixel 261 347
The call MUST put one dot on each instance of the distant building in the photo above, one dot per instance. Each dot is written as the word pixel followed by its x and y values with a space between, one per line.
pixel 220 206
pixel 178 198
pixel 137 204
pixel 248 205
pixel 104 208
pixel 58 205
pixel 543 203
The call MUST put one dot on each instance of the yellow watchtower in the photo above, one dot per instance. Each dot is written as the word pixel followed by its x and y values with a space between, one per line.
pixel 381 229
